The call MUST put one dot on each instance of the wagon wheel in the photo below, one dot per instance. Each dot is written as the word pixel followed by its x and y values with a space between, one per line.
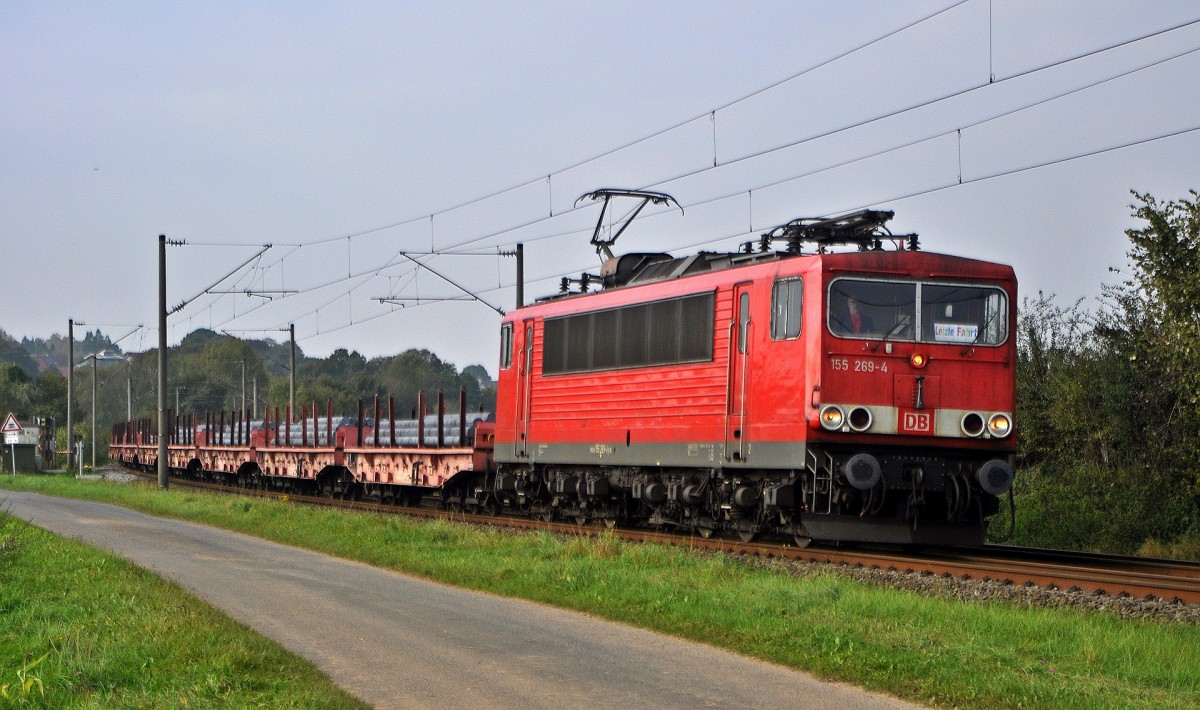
pixel 610 523
pixel 747 534
pixel 547 515
pixel 705 533
pixel 580 520
pixel 351 488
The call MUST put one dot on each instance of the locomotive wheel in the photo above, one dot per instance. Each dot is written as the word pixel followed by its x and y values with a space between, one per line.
pixel 800 536
pixel 705 533
pixel 610 523
pixel 747 535
pixel 581 520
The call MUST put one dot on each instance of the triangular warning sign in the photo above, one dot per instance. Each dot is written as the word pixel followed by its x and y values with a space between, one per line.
pixel 11 425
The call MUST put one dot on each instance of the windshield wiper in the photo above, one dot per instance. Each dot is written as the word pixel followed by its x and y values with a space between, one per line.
pixel 969 346
pixel 895 329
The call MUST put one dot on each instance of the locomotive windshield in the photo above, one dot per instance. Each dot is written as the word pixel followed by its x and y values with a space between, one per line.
pixel 918 311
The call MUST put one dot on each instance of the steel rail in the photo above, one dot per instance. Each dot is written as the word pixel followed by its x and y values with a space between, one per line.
pixel 1093 573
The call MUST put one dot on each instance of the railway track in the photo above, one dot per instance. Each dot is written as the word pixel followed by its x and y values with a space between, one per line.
pixel 1091 573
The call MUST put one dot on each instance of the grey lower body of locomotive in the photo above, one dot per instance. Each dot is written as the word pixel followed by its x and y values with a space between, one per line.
pixel 888 495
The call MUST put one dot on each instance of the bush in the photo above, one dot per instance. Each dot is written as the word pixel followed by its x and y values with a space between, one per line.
pixel 1105 509
pixel 1108 403
pixel 1187 548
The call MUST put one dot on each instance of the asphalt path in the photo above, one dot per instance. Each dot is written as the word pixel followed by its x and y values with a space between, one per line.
pixel 400 642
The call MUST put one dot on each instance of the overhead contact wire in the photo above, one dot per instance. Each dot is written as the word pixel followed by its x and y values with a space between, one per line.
pixel 507 230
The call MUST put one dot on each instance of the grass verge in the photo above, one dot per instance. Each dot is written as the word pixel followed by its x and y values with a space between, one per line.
pixel 80 628
pixel 929 650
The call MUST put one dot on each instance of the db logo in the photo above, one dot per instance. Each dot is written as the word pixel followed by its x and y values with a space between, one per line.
pixel 916 422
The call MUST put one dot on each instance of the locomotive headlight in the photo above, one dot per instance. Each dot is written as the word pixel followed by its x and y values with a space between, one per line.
pixel 972 424
pixel 860 419
pixel 832 417
pixel 999 425
pixel 917 360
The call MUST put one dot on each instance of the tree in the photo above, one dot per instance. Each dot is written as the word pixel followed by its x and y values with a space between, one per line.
pixel 12 352
pixel 1109 405
pixel 414 371
pixel 1052 349
pixel 207 373
pixel 16 390
pixel 50 397
pixel 479 372
pixel 341 365
pixel 1153 322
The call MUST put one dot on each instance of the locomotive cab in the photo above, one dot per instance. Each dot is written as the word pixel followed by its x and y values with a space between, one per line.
pixel 912 416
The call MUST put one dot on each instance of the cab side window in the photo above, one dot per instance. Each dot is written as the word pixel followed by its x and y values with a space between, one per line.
pixel 506 344
pixel 787 301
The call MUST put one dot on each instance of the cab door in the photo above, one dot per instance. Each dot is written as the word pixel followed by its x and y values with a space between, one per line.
pixel 736 448
pixel 524 389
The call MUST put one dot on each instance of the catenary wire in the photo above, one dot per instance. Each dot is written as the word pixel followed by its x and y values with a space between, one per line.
pixel 905 145
pixel 791 144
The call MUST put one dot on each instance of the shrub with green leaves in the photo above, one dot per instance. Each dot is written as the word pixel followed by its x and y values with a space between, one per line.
pixel 1108 402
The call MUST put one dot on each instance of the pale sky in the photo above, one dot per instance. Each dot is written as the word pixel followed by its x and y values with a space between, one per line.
pixel 305 123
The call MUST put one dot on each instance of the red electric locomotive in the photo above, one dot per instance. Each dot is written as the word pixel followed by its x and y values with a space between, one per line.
pixel 860 395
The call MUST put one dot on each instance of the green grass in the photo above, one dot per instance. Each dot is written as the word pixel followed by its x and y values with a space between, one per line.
pixel 929 650
pixel 80 628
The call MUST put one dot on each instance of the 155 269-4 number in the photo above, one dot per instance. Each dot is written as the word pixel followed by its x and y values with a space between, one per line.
pixel 845 364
